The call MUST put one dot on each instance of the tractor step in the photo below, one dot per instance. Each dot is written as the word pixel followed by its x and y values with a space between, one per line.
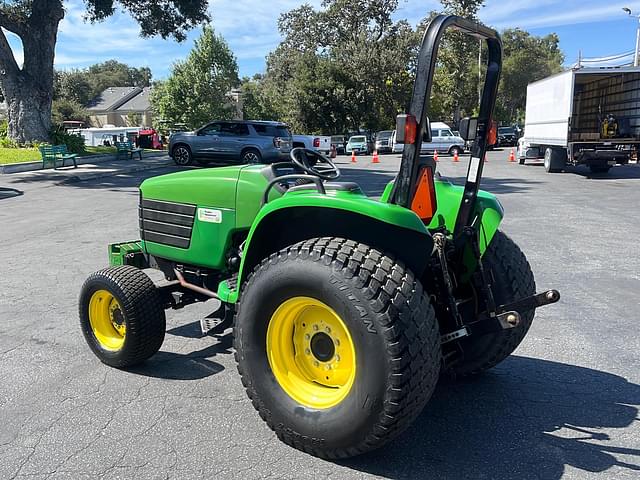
pixel 217 321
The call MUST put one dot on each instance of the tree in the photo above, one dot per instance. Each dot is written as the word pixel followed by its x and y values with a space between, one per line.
pixel 197 89
pixel 66 109
pixel 28 89
pixel 343 67
pixel 526 58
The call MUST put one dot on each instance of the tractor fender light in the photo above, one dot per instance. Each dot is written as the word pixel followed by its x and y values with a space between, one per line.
pixel 406 129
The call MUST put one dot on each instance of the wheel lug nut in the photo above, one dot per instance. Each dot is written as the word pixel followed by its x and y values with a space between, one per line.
pixel 307 351
pixel 315 328
pixel 337 342
pixel 337 358
pixel 315 364
pixel 307 336
pixel 327 367
pixel 328 330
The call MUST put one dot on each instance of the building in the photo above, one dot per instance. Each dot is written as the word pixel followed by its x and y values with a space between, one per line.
pixel 121 107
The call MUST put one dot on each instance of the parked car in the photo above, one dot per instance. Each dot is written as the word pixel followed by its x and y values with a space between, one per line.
pixel 383 141
pixel 357 144
pixel 232 142
pixel 507 137
pixel 320 143
pixel 442 140
pixel 339 141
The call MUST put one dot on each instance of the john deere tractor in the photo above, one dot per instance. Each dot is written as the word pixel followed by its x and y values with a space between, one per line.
pixel 345 309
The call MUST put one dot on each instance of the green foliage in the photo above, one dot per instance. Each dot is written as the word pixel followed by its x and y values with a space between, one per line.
pixel 197 89
pixel 4 128
pixel 74 143
pixel 66 109
pixel 344 67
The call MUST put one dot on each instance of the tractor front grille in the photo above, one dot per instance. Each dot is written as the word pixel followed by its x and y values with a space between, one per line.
pixel 166 223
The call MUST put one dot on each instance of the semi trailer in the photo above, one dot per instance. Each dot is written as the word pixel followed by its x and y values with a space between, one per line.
pixel 586 116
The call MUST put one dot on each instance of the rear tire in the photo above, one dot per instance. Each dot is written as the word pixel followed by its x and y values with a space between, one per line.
pixel 553 160
pixel 454 150
pixel 512 280
pixel 121 316
pixel 392 333
pixel 251 156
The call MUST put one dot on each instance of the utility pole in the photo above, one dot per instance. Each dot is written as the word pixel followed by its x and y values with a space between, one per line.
pixel 636 60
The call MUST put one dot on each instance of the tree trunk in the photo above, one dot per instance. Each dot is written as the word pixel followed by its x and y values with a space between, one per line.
pixel 29 112
pixel 28 91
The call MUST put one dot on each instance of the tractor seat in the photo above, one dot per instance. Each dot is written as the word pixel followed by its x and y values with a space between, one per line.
pixel 339 186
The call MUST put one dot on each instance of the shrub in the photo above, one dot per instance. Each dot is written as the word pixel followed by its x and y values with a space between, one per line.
pixel 74 143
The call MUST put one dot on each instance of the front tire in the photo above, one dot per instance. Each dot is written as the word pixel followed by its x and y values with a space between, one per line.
pixel 512 280
pixel 182 155
pixel 121 316
pixel 371 371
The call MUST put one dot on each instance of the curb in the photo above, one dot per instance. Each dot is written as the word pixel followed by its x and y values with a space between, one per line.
pixel 96 176
pixel 22 167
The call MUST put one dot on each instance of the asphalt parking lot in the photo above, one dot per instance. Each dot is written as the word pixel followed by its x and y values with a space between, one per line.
pixel 565 405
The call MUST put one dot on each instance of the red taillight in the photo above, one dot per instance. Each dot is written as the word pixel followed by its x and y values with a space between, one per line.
pixel 316 143
pixel 424 200
pixel 406 129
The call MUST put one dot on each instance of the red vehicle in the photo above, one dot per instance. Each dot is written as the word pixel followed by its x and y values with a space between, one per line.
pixel 149 138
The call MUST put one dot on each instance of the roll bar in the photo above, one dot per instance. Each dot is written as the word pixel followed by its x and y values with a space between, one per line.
pixel 405 182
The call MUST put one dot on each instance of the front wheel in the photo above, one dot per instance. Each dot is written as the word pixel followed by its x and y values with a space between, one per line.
pixel 337 345
pixel 121 316
pixel 182 155
pixel 512 280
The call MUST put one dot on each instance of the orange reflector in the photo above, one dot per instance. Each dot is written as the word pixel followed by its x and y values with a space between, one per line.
pixel 424 200
pixel 410 130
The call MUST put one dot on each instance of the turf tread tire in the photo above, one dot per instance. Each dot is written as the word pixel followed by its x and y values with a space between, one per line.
pixel 142 308
pixel 510 267
pixel 405 318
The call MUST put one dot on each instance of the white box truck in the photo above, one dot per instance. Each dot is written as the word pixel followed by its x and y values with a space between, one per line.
pixel 587 116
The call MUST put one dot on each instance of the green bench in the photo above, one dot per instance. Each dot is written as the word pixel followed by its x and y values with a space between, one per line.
pixel 53 153
pixel 128 148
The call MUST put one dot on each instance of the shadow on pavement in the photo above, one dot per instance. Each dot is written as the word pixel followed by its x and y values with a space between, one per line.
pixel 527 418
pixel 9 193
pixel 619 172
pixel 189 366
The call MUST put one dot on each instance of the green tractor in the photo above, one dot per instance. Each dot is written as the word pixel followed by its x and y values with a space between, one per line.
pixel 345 309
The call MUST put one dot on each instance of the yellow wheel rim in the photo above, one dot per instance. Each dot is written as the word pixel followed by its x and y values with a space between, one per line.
pixel 311 352
pixel 107 320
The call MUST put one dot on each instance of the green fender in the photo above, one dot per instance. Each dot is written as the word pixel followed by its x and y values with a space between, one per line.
pixel 448 198
pixel 350 202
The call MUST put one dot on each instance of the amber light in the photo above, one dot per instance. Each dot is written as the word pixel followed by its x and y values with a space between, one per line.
pixel 424 200
pixel 410 130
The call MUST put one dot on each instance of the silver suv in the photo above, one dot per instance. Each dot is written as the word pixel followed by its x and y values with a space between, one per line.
pixel 232 142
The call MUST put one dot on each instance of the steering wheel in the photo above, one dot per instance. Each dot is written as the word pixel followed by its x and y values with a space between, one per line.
pixel 308 160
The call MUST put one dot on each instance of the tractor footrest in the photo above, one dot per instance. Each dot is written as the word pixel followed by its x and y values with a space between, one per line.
pixel 217 321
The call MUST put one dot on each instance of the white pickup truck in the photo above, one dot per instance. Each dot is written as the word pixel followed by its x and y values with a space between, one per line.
pixel 321 143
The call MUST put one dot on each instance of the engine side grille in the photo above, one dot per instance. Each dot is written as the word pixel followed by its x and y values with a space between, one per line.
pixel 166 223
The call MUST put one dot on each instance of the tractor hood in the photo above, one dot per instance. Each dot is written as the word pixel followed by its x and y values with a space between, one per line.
pixel 202 187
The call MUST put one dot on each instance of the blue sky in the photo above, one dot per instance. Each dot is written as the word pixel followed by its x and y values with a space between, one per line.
pixel 249 26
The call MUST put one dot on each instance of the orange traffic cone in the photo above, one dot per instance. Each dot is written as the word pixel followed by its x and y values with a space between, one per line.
pixel 512 156
pixel 435 155
pixel 353 156
pixel 376 159
pixel 455 156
